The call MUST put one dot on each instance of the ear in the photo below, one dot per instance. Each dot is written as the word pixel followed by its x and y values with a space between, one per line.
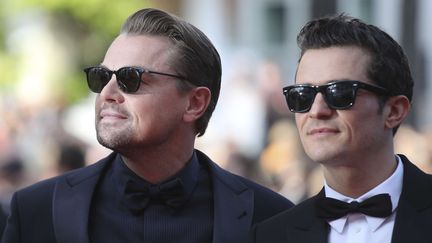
pixel 397 108
pixel 199 100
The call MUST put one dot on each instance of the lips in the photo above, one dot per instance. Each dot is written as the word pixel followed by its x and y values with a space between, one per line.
pixel 322 130
pixel 111 115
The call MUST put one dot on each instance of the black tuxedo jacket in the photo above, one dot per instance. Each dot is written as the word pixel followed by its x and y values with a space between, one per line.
pixel 3 218
pixel 56 210
pixel 413 221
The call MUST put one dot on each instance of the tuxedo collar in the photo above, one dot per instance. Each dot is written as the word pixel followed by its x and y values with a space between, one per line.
pixel 233 202
pixel 71 202
pixel 415 199
pixel 416 189
pixel 188 176
pixel 391 186
pixel 307 227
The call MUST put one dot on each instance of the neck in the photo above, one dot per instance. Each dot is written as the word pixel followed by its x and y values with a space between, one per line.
pixel 355 178
pixel 158 163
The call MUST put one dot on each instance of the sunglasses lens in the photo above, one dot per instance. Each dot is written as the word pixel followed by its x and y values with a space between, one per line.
pixel 128 79
pixel 340 95
pixel 300 99
pixel 97 78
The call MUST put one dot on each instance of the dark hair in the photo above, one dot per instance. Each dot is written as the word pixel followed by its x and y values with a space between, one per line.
pixel 196 58
pixel 389 66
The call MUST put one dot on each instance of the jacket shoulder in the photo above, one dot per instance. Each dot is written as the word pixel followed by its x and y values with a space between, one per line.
pixel 276 228
pixel 305 209
pixel 266 202
pixel 46 187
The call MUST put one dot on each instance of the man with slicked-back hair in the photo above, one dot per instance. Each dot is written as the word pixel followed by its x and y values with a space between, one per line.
pixel 157 87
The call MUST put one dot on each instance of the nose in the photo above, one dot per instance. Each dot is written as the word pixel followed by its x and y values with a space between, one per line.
pixel 111 92
pixel 319 108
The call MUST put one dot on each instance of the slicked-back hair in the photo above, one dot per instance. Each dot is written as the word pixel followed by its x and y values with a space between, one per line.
pixel 194 57
pixel 388 66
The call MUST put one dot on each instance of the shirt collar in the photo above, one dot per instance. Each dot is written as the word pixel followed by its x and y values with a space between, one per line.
pixel 391 186
pixel 188 175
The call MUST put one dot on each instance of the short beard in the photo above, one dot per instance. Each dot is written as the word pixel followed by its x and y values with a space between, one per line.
pixel 117 140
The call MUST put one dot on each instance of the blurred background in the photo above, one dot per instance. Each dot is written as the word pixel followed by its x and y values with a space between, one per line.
pixel 46 110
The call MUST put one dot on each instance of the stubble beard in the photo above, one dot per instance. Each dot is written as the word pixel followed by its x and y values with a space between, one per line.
pixel 114 138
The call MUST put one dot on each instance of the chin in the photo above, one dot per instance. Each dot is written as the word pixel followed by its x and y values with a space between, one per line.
pixel 112 141
pixel 321 155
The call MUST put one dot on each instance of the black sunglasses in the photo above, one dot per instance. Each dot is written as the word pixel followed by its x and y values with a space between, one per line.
pixel 339 95
pixel 128 78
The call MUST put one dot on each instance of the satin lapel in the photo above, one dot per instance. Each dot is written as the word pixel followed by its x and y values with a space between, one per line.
pixel 404 226
pixel 413 215
pixel 306 227
pixel 233 205
pixel 318 232
pixel 71 203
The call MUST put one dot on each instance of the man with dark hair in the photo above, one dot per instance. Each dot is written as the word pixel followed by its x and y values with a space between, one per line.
pixel 157 88
pixel 353 88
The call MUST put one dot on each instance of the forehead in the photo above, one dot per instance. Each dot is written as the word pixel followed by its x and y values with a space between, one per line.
pixel 138 50
pixel 319 66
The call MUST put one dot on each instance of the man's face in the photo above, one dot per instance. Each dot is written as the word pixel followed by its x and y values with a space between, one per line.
pixel 338 136
pixel 152 115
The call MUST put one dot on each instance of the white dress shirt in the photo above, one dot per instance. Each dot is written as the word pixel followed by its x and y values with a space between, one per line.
pixel 359 228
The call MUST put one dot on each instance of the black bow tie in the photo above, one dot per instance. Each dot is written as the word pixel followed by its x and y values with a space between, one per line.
pixel 137 197
pixel 377 206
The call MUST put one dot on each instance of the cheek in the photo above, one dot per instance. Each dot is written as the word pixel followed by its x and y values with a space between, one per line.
pixel 98 102
pixel 300 120
pixel 154 111
pixel 143 112
pixel 361 127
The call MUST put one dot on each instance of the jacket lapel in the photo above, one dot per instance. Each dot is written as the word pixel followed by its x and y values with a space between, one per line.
pixel 71 202
pixel 317 233
pixel 412 223
pixel 307 227
pixel 233 202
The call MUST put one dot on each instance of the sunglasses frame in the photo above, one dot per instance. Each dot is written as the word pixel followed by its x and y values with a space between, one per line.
pixel 121 84
pixel 355 85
